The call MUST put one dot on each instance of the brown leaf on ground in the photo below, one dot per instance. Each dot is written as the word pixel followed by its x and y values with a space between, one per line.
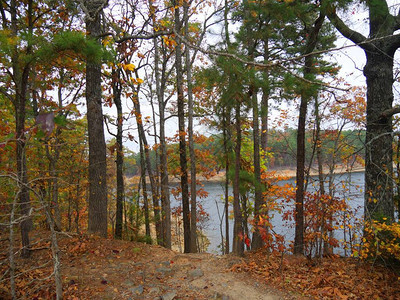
pixel 92 269
pixel 327 278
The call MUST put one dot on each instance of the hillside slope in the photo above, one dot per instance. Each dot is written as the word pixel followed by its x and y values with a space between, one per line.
pixel 95 268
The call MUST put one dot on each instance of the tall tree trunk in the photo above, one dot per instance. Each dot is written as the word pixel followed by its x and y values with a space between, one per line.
pixel 318 145
pixel 144 186
pixel 312 37
pixel 155 196
pixel 165 200
pixel 300 168
pixel 398 175
pixel 182 135
pixel 326 249
pixel 264 146
pixel 227 137
pixel 257 241
pixel 227 152
pixel 380 47
pixel 97 146
pixel 379 151
pixel 120 154
pixel 193 192
pixel 238 243
pixel 53 184
pixel 21 77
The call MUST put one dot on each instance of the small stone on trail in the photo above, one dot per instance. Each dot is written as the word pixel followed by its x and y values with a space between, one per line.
pixel 168 296
pixel 129 283
pixel 154 290
pixel 164 270
pixel 165 263
pixel 218 296
pixel 195 273
pixel 137 290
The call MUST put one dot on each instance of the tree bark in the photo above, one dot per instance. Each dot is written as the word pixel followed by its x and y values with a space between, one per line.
pixel 300 158
pixel 379 49
pixel 193 192
pixel 312 37
pixel 227 151
pixel 160 87
pixel 21 77
pixel 155 196
pixel 120 154
pixel 182 136
pixel 227 138
pixel 238 237
pixel 144 187
pixel 379 152
pixel 97 146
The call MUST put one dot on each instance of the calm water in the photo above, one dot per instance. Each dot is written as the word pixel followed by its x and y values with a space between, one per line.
pixel 348 186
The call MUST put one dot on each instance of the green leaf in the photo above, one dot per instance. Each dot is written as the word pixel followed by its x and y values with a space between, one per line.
pixel 8 147
pixel 60 120
pixel 40 134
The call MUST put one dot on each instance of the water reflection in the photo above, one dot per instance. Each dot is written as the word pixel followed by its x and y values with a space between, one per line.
pixel 347 186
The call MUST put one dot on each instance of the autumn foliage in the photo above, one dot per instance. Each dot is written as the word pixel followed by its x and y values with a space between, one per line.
pixel 327 278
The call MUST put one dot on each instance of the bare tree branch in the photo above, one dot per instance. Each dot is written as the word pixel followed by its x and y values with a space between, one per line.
pixel 136 36
pixel 390 112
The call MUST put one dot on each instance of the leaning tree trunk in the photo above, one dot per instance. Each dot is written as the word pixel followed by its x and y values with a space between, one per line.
pixel 154 193
pixel 97 146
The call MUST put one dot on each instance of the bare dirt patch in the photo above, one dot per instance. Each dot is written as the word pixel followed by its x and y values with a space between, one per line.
pixel 96 268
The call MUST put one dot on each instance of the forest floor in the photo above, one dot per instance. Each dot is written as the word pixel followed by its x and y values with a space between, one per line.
pixel 96 268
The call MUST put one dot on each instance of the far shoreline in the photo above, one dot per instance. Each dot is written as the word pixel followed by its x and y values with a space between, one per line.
pixel 282 173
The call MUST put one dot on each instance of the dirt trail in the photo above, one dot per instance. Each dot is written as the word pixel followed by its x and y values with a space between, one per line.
pixel 96 268
pixel 209 275
pixel 107 271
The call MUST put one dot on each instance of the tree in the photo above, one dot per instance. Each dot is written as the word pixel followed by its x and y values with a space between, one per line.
pixel 97 146
pixel 20 71
pixel 193 183
pixel 117 89
pixel 160 86
pixel 379 48
pixel 24 46
pixel 182 132
pixel 306 94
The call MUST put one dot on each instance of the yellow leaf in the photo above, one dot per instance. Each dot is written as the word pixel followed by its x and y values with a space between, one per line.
pixel 129 67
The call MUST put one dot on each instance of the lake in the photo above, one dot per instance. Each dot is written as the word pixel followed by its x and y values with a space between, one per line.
pixel 349 186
